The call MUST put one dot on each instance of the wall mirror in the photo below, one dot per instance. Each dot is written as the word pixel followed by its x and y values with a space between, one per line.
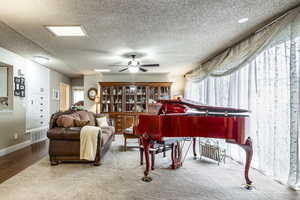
pixel 3 81
pixel 6 87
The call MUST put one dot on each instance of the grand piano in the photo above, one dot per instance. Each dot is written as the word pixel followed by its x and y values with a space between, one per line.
pixel 182 118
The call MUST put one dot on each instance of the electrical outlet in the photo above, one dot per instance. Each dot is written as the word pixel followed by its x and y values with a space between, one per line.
pixel 16 136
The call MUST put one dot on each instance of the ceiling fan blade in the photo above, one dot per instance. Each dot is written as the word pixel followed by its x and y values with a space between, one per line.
pixel 123 70
pixel 117 65
pixel 150 65
pixel 143 70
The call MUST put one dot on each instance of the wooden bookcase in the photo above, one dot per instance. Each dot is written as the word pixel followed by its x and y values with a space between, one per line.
pixel 124 101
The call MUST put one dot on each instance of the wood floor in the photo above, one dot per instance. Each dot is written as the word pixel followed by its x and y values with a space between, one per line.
pixel 13 163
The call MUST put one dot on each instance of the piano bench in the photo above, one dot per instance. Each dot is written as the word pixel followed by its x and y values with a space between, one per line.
pixel 156 148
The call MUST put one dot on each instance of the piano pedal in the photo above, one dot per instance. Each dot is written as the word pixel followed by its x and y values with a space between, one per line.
pixel 147 179
pixel 248 186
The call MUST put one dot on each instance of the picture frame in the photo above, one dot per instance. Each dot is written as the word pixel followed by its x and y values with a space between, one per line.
pixel 17 79
pixel 55 94
pixel 19 83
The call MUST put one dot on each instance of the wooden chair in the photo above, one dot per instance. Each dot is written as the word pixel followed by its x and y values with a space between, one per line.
pixel 128 134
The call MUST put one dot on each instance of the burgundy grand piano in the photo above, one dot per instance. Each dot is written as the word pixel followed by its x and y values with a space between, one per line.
pixel 182 118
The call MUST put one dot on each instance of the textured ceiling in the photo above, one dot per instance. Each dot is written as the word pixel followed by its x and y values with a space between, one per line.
pixel 177 34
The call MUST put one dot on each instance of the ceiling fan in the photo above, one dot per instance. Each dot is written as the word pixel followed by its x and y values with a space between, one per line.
pixel 134 66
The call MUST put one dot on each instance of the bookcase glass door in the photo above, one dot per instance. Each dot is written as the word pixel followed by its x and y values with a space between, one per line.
pixel 106 99
pixel 130 94
pixel 164 93
pixel 153 94
pixel 141 99
pixel 117 99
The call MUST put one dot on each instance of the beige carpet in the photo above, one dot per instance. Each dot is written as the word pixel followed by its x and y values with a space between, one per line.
pixel 120 178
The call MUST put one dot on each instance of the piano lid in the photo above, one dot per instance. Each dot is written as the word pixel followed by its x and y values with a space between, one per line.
pixel 203 108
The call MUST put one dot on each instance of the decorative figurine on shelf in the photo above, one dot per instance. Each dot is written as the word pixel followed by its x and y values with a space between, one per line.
pixel 139 108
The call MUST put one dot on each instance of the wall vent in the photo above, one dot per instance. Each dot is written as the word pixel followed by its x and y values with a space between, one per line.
pixel 38 135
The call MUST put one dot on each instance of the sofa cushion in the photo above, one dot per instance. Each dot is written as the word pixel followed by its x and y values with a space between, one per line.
pixel 81 123
pixel 75 115
pixel 83 115
pixel 92 119
pixel 65 121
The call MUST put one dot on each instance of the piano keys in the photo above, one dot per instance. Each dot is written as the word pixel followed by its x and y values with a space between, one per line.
pixel 182 118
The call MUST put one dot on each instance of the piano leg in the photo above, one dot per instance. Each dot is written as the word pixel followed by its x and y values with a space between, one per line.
pixel 194 148
pixel 249 153
pixel 146 144
pixel 176 156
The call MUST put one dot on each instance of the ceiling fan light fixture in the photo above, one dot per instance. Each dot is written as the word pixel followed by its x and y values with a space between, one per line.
pixel 134 63
pixel 133 69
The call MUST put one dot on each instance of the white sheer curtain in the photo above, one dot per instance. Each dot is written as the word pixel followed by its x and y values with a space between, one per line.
pixel 265 86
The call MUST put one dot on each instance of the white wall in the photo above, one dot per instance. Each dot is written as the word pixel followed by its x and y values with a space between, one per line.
pixel 93 80
pixel 14 121
pixel 55 79
pixel 90 81
pixel 38 79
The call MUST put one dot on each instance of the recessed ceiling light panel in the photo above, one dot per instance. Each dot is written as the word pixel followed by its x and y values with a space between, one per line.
pixel 41 60
pixel 243 20
pixel 67 31
pixel 102 70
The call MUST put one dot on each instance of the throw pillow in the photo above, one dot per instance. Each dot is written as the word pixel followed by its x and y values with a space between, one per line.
pixel 92 119
pixel 65 121
pixel 81 123
pixel 102 122
pixel 83 115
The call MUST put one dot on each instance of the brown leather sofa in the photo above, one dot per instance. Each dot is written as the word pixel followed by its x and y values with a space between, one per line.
pixel 64 143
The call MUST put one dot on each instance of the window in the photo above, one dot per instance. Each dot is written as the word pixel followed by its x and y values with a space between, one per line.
pixel 78 95
pixel 263 86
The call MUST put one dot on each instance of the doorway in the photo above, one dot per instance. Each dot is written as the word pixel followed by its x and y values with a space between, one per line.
pixel 64 102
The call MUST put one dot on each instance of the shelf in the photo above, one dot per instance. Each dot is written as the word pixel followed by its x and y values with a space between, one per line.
pixel 133 98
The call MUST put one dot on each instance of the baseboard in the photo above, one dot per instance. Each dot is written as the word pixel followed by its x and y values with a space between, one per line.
pixel 15 147
pixel 40 140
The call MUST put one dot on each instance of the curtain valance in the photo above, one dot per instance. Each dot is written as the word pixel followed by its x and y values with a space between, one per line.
pixel 240 54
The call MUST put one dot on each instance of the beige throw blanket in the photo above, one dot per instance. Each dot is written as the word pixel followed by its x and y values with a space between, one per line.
pixel 88 142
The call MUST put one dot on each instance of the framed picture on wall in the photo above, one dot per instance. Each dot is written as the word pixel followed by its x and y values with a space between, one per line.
pixel 17 80
pixel 19 86
pixel 22 93
pixel 17 93
pixel 55 94
pixel 22 81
